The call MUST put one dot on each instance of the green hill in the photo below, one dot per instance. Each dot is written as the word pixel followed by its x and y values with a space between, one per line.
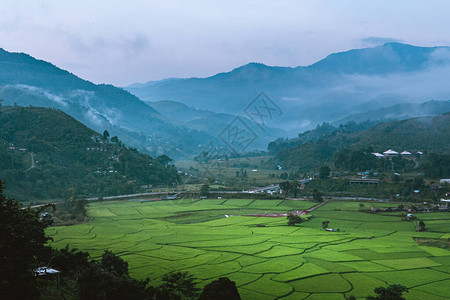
pixel 66 155
pixel 428 134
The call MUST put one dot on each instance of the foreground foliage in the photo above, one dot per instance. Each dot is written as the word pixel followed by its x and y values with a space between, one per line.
pixel 22 243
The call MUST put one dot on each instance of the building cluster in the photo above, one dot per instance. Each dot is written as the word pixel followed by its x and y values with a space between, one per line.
pixel 391 153
pixel 15 148
pixel 272 189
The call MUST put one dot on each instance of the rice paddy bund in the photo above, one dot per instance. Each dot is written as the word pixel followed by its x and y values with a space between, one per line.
pixel 271 262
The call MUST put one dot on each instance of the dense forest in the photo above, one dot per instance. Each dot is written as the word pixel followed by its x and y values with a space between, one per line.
pixel 39 160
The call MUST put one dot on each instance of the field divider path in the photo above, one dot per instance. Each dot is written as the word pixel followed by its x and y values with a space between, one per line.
pixel 281 202
pixel 412 287
pixel 287 294
pixel 349 282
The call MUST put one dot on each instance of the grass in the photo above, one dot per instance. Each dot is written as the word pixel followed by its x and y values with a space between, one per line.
pixel 275 261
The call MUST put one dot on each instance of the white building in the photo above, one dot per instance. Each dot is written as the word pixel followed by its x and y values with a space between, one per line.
pixel 390 153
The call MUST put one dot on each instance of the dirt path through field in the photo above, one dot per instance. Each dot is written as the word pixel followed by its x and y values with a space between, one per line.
pixel 317 206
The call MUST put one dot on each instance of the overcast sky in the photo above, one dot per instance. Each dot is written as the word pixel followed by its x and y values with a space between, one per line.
pixel 122 42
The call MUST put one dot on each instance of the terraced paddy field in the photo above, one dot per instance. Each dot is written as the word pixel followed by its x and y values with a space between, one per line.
pixel 272 262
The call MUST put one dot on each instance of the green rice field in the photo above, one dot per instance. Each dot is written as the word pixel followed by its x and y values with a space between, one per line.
pixel 272 262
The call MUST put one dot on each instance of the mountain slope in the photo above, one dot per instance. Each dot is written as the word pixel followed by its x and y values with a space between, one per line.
pixel 389 58
pixel 212 123
pixel 44 152
pixel 399 112
pixel 26 81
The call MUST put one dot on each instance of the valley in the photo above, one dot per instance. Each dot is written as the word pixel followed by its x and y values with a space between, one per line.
pixel 328 180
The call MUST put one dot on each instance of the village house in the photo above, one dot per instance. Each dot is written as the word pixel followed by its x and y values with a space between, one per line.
pixel 390 153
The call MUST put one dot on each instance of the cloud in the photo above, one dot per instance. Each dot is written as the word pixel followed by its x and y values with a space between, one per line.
pixel 378 40
pixel 39 91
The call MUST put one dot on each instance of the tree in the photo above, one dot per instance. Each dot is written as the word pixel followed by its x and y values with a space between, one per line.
pixel 22 243
pixel 177 285
pixel 418 182
pixel 114 264
pixel 317 196
pixel 293 187
pixel 324 172
pixel 361 206
pixel 325 224
pixel 72 209
pixel 392 292
pixel 285 187
pixel 294 219
pixel 220 289
pixel 105 134
pixel 115 140
pixel 69 261
pixel 204 190
pixel 164 160
pixel 421 226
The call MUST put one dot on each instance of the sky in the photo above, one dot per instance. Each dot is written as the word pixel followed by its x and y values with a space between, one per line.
pixel 124 42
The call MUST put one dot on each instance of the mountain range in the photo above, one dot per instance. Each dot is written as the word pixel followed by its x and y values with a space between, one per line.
pixel 26 81
pixel 341 84
pixel 181 117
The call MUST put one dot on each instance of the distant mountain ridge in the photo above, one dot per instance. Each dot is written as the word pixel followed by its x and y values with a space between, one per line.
pixel 388 58
pixel 341 84
pixel 211 122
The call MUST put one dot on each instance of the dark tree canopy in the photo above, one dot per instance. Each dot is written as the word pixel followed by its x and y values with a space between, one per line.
pixel 114 264
pixel 105 134
pixel 177 285
pixel 324 172
pixel 294 219
pixel 22 242
pixel 392 292
pixel 220 289
pixel 317 196
pixel 285 186
pixel 204 190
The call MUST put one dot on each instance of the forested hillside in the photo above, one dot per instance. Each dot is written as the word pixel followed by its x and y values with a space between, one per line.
pixel 46 154
pixel 320 146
